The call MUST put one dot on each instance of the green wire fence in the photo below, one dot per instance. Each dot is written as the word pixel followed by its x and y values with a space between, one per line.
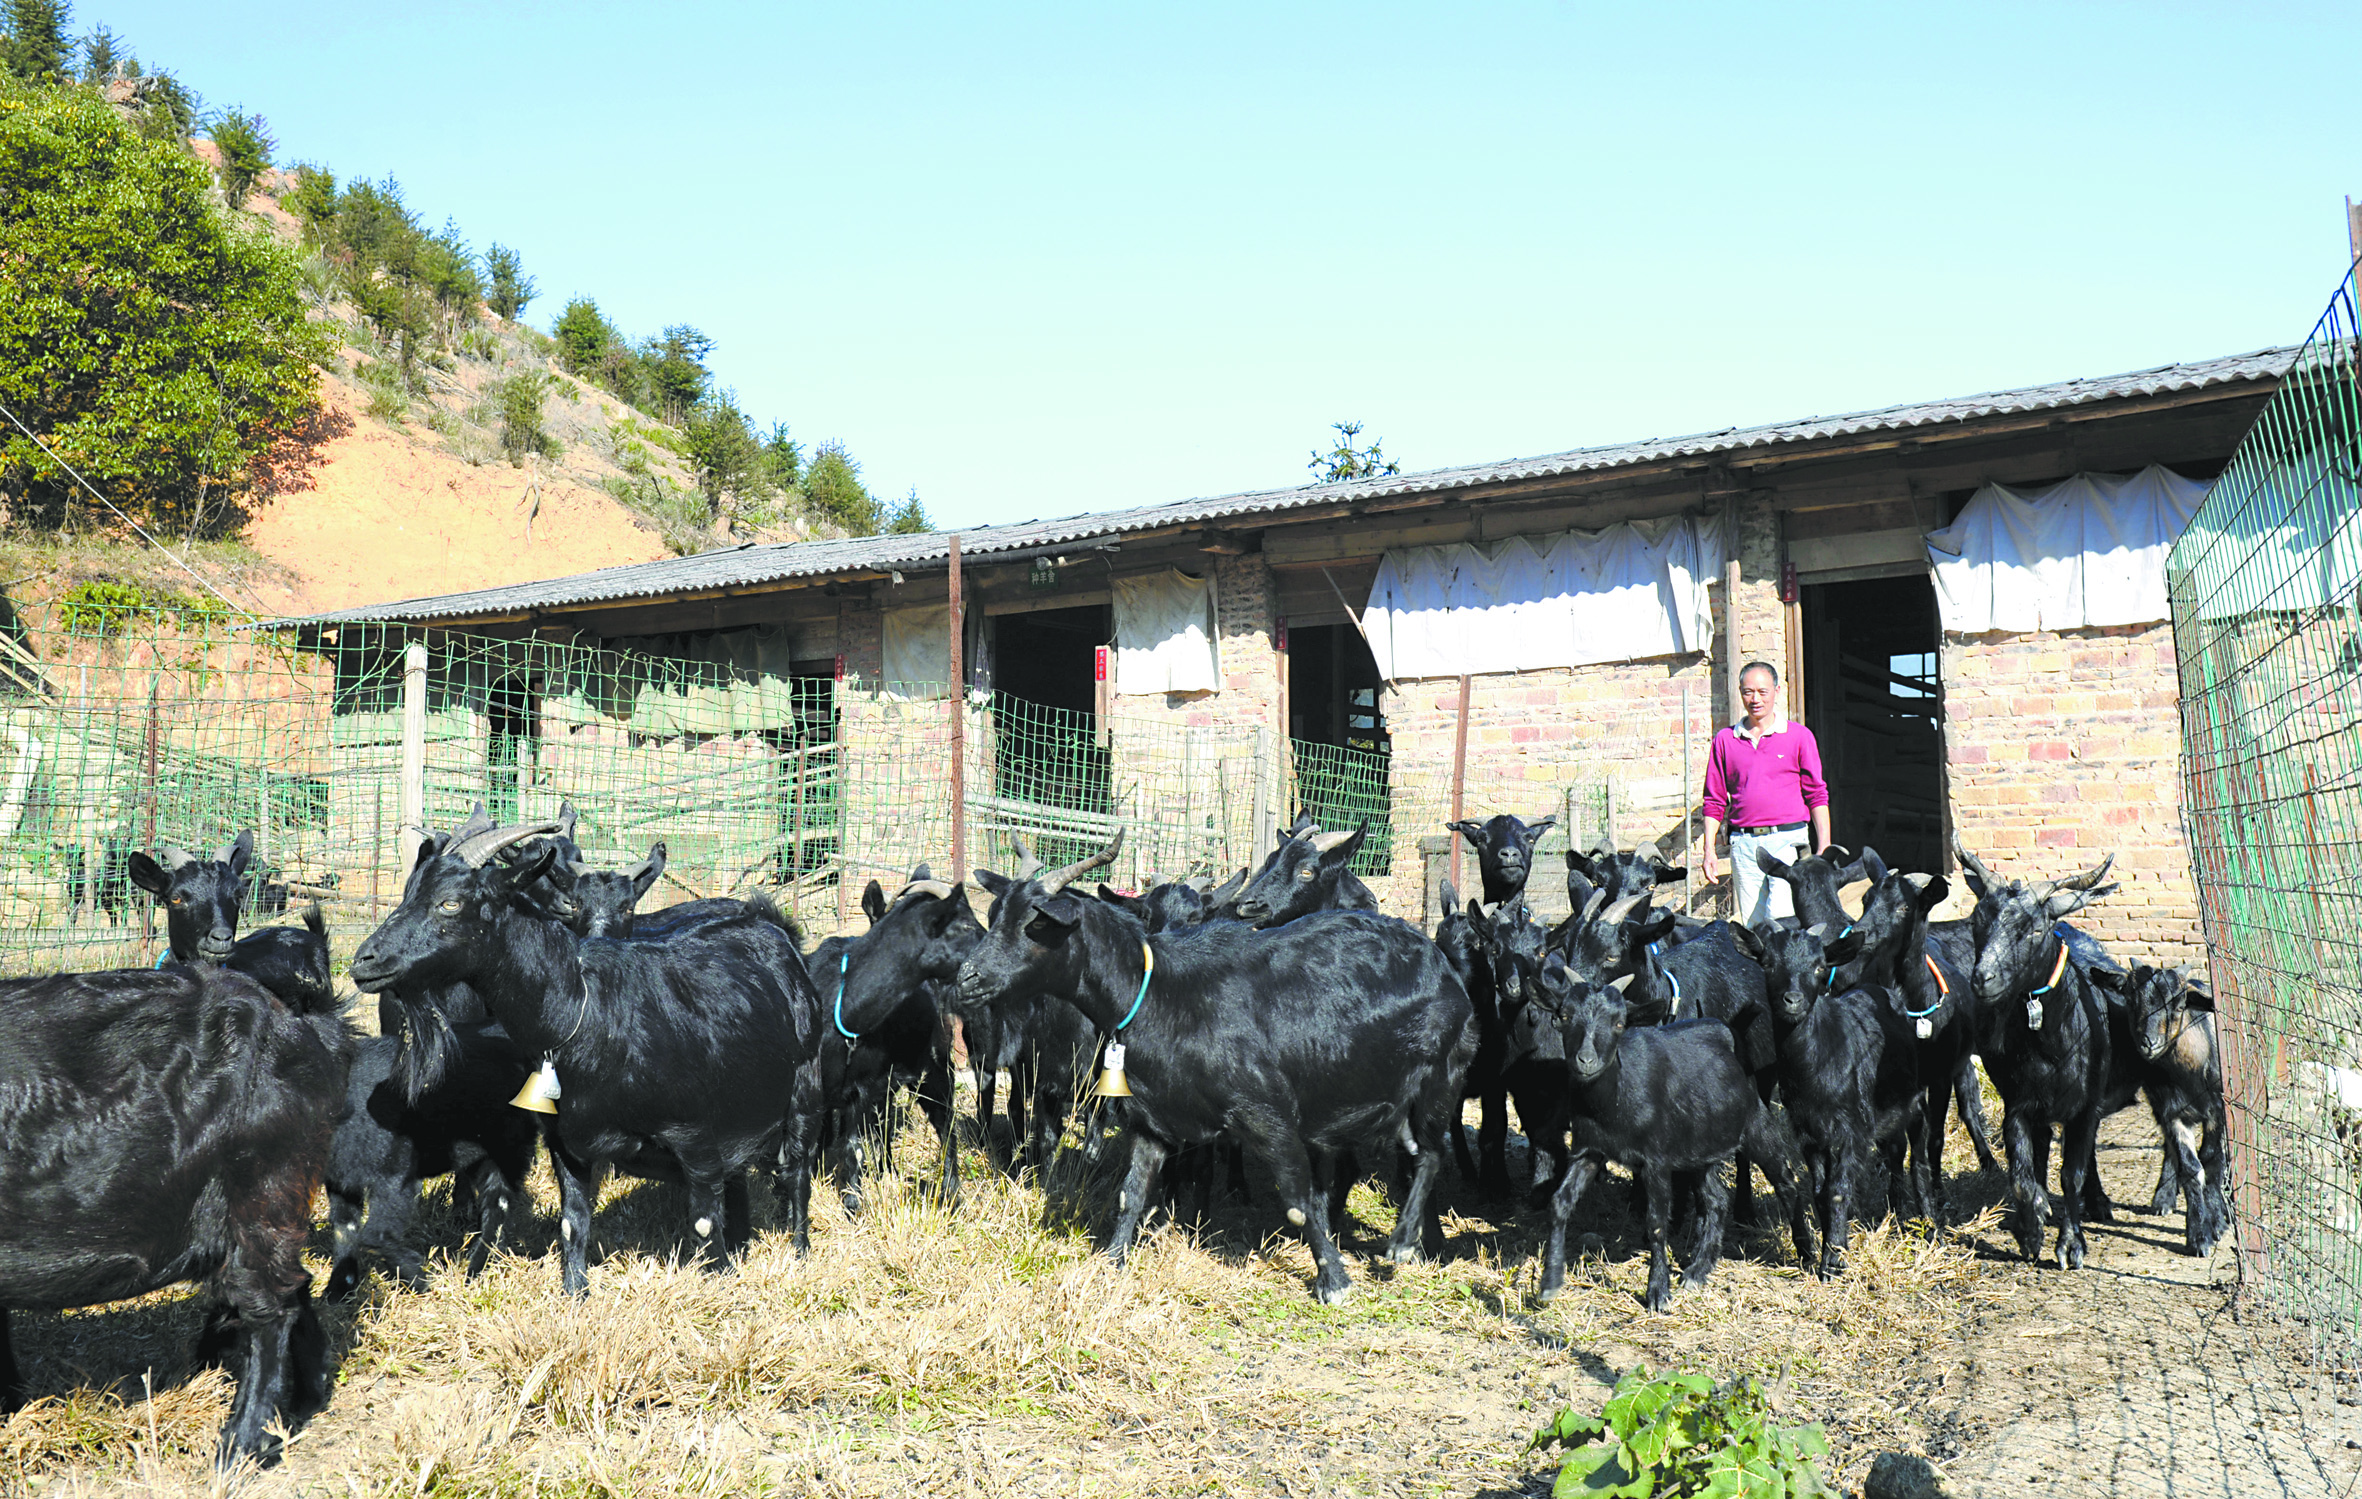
pixel 2266 589
pixel 127 727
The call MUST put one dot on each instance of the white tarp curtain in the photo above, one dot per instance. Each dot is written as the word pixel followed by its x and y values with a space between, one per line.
pixel 1574 598
pixel 1164 634
pixel 918 651
pixel 2087 551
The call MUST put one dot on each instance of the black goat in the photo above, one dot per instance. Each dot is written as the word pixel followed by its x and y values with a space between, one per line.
pixel 1621 875
pixel 461 1127
pixel 1815 880
pixel 2163 1041
pixel 201 899
pixel 689 1060
pixel 1304 875
pixel 1504 852
pixel 1307 1039
pixel 166 1126
pixel 884 1025
pixel 1669 1102
pixel 606 902
pixel 1848 1072
pixel 2045 1044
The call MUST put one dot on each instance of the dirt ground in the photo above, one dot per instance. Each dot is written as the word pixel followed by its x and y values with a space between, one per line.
pixel 989 1351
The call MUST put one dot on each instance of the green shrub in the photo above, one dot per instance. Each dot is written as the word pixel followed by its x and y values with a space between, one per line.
pixel 1679 1435
pixel 102 606
pixel 510 288
pixel 522 433
pixel 151 344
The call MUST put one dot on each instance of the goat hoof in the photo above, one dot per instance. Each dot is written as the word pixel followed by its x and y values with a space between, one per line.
pixel 1404 1254
pixel 1332 1295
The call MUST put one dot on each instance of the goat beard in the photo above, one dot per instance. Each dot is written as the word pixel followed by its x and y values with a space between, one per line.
pixel 427 1045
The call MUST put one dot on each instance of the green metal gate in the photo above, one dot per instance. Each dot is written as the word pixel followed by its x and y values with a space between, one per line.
pixel 2266 591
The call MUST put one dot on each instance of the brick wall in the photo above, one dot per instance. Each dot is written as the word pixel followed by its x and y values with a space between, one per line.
pixel 2063 748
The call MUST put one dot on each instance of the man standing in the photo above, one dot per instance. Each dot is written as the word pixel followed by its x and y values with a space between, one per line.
pixel 1763 779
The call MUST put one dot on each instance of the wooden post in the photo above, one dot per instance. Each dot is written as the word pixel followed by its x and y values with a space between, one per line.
pixel 959 701
pixel 148 775
pixel 411 830
pixel 1730 611
pixel 1265 828
pixel 1459 779
pixel 2354 248
pixel 1689 790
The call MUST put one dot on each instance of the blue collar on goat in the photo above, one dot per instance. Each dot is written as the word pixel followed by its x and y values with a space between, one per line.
pixel 1147 971
pixel 844 960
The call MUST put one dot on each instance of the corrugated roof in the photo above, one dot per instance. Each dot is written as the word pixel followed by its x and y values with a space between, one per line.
pixel 755 564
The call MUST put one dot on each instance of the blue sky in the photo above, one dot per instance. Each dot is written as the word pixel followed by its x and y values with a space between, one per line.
pixel 1047 259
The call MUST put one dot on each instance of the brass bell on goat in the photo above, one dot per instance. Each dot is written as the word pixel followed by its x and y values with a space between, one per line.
pixel 540 1093
pixel 1111 1075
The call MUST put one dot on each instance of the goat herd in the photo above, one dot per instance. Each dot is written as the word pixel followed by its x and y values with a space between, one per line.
pixel 172 1124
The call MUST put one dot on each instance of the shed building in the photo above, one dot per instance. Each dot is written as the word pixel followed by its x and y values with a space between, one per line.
pixel 1958 593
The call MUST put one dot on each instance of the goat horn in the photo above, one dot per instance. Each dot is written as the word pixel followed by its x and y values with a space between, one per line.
pixel 2089 877
pixel 478 821
pixel 936 888
pixel 1323 842
pixel 1058 879
pixel 1976 866
pixel 1618 913
pixel 477 851
pixel 1027 865
pixel 567 818
pixel 174 858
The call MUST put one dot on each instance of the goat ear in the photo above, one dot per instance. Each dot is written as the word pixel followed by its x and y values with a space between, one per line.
pixel 1843 948
pixel 1533 831
pixel 1771 863
pixel 1451 896
pixel 992 884
pixel 2197 996
pixel 1873 868
pixel 1061 909
pixel 518 875
pixel 1655 929
pixel 873 902
pixel 147 874
pixel 1749 943
pixel 1470 830
pixel 644 878
pixel 2113 981
pixel 1669 876
pixel 1123 902
pixel 1931 894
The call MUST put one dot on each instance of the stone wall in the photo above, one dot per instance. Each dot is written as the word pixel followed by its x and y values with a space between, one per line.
pixel 2063 748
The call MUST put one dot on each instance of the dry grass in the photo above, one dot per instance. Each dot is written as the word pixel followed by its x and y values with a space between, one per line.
pixel 986 1350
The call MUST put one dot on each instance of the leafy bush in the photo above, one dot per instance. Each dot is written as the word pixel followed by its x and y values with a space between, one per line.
pixel 102 606
pixel 151 345
pixel 245 145
pixel 1678 1435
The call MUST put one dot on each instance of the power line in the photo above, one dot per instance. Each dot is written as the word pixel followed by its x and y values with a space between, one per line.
pixel 202 581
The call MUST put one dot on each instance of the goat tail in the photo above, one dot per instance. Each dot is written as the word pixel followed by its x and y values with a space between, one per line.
pixel 767 909
pixel 427 1046
pixel 316 920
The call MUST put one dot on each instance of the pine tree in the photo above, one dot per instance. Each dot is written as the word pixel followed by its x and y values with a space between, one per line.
pixel 909 517
pixel 511 289
pixel 35 47
pixel 103 57
pixel 244 144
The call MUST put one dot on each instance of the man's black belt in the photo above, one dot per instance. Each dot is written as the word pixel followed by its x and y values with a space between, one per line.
pixel 1785 827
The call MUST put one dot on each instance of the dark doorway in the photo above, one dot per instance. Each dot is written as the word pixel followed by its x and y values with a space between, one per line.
pixel 809 808
pixel 1049 750
pixel 1873 700
pixel 515 733
pixel 1339 748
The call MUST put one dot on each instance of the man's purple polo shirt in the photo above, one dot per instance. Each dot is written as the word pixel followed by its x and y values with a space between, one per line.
pixel 1764 781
